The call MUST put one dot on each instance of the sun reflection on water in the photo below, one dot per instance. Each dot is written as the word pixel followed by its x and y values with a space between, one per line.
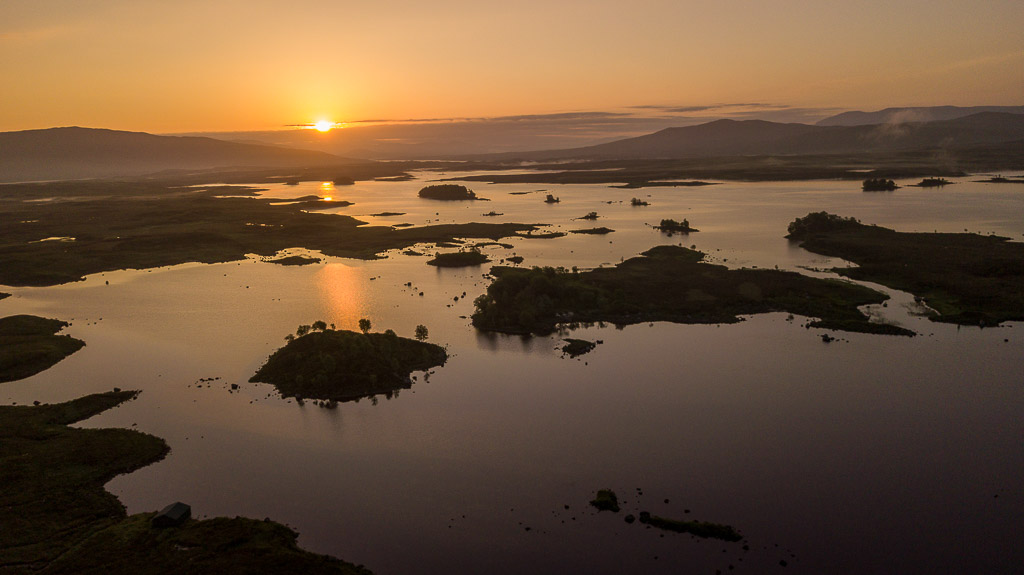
pixel 343 291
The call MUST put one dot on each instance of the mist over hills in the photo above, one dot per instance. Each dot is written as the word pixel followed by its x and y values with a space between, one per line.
pixel 985 140
pixel 79 153
pixel 918 114
pixel 758 137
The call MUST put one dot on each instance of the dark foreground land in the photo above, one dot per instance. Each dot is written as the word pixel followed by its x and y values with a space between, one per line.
pixel 343 365
pixel 30 344
pixel 667 283
pixel 106 226
pixel 968 279
pixel 57 518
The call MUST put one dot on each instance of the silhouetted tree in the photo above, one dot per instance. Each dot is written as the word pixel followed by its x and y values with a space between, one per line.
pixel 364 325
pixel 421 332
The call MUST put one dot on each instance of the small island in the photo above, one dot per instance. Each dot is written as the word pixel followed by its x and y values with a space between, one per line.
pixel 638 202
pixel 577 347
pixel 448 192
pixel 29 344
pixel 933 183
pixel 459 259
pixel 878 185
pixel 342 365
pixel 551 199
pixel 671 226
pixel 593 231
pixel 702 529
pixel 606 500
pixel 295 261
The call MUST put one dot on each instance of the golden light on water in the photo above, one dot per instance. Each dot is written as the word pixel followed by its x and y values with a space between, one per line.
pixel 343 292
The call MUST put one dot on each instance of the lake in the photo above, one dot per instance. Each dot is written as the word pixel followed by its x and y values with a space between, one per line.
pixel 865 455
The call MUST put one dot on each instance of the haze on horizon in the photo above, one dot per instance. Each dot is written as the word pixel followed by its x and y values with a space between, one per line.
pixel 232 65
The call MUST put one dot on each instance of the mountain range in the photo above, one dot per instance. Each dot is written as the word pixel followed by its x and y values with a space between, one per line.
pixel 997 137
pixel 920 114
pixel 722 138
pixel 79 153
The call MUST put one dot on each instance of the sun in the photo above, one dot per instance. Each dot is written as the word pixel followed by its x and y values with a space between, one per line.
pixel 323 126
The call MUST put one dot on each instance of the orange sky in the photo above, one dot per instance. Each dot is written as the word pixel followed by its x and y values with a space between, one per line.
pixel 193 65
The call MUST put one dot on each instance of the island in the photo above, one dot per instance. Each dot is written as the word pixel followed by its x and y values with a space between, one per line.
pixel 666 283
pixel 58 518
pixel 702 529
pixel 29 344
pixel 448 192
pixel 593 231
pixel 933 183
pixel 878 185
pixel 576 347
pixel 671 226
pixel 459 259
pixel 342 365
pixel 295 261
pixel 968 279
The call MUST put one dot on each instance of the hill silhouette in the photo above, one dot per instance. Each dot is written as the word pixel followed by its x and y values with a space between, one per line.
pixel 915 114
pixel 723 138
pixel 79 153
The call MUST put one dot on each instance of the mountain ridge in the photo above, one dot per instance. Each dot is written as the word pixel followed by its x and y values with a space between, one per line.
pixel 74 152
pixel 722 138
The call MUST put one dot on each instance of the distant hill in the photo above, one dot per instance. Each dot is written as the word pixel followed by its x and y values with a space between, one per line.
pixel 906 115
pixel 760 138
pixel 78 153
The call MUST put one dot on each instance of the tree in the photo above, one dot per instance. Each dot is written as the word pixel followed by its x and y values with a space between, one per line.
pixel 319 325
pixel 364 325
pixel 421 332
pixel 303 330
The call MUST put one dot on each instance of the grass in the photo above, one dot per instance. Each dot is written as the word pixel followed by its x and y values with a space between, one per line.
pixel 343 365
pixel 146 225
pixel 30 344
pixel 666 283
pixel 968 279
pixel 57 517
pixel 459 259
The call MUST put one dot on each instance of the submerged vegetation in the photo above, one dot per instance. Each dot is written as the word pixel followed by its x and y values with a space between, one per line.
pixel 967 278
pixel 343 365
pixel 666 283
pixel 448 192
pixel 57 517
pixel 30 344
pixel 459 259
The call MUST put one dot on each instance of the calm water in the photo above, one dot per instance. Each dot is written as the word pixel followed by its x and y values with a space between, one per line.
pixel 872 454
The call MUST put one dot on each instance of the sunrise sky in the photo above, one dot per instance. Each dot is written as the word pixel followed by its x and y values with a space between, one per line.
pixel 232 65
